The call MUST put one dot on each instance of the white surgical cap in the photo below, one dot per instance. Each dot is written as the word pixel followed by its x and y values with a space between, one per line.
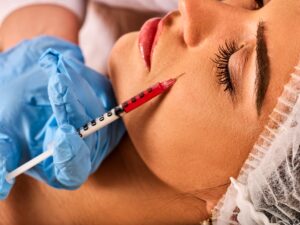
pixel 267 190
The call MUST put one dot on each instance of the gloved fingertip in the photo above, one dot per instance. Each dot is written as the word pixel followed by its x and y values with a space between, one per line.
pixel 67 48
pixel 5 186
pixel 49 60
pixel 52 61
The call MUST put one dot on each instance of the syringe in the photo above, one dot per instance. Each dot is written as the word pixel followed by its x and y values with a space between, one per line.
pixel 102 121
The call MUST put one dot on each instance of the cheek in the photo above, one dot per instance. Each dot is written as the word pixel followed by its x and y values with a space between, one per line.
pixel 190 138
pixel 186 141
pixel 126 67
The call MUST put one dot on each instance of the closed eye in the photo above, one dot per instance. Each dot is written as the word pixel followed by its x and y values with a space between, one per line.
pixel 221 62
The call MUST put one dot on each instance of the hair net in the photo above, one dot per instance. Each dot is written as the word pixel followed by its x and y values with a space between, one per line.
pixel 267 190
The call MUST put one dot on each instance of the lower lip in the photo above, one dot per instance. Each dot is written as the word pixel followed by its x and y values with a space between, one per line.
pixel 147 39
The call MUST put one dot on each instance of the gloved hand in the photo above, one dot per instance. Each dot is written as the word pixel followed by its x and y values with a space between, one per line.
pixel 39 105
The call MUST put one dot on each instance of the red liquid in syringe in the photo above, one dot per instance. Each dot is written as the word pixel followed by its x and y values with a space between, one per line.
pixel 126 107
pixel 147 95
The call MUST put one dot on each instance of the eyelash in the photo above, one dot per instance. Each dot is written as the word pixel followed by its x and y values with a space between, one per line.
pixel 221 61
pixel 222 58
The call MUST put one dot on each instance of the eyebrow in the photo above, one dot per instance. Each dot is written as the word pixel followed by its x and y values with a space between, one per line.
pixel 262 67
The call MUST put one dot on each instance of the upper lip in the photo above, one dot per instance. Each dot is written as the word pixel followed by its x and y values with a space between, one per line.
pixel 148 38
pixel 149 41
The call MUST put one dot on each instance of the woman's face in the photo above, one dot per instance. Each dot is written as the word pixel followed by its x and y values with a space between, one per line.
pixel 236 58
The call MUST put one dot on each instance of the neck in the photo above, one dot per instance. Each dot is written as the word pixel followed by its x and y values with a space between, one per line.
pixel 122 191
pixel 149 198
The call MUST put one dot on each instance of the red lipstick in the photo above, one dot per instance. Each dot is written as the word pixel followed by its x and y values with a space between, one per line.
pixel 147 39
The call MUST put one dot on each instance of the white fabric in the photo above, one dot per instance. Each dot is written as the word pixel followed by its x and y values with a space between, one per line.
pixel 267 191
pixel 248 214
pixel 103 26
pixel 143 5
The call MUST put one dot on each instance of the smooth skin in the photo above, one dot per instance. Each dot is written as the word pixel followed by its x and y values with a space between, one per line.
pixel 182 148
pixel 199 135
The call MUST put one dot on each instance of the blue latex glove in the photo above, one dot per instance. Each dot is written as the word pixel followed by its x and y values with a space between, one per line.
pixel 42 103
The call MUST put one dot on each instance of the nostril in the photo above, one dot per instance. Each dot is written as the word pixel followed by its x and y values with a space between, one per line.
pixel 168 19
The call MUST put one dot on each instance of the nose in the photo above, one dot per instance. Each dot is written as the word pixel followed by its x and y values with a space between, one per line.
pixel 202 18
